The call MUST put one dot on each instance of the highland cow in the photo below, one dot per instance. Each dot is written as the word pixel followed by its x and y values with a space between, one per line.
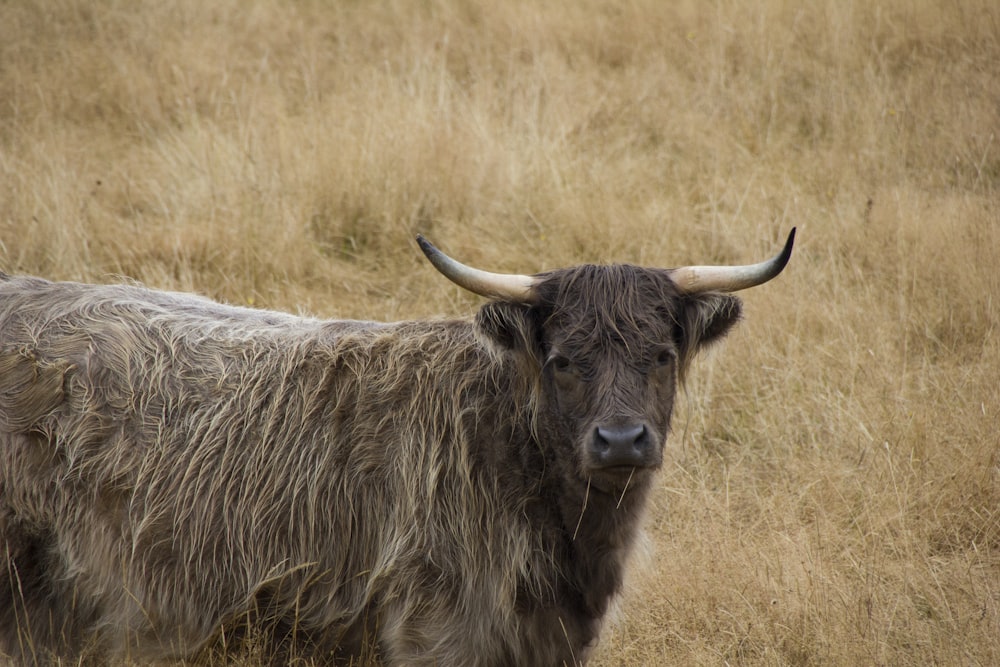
pixel 439 492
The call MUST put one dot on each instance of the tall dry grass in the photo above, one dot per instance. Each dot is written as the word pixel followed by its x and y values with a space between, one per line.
pixel 832 494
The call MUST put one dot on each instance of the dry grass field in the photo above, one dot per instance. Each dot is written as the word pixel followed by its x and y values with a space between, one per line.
pixel 832 488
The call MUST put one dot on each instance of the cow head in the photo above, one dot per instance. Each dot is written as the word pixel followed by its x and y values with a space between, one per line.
pixel 608 345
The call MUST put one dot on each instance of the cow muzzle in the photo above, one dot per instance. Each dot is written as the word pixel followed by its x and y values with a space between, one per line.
pixel 621 446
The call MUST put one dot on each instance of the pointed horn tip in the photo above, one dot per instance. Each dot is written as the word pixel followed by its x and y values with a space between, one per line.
pixel 426 246
pixel 786 252
pixel 437 258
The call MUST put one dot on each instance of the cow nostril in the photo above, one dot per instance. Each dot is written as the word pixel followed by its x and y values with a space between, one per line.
pixel 620 445
pixel 621 436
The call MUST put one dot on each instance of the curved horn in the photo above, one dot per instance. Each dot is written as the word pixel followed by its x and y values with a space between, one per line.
pixel 694 279
pixel 503 286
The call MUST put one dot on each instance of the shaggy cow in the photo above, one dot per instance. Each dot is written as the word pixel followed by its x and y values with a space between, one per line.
pixel 441 492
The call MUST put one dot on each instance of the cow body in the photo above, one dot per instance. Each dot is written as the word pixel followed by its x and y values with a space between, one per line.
pixel 171 467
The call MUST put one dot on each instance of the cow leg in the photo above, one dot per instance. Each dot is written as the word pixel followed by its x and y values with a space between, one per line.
pixel 428 628
pixel 39 617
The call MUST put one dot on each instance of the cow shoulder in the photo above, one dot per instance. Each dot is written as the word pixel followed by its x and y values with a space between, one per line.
pixel 30 388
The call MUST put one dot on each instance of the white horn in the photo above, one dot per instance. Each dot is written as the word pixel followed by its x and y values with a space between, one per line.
pixel 502 286
pixel 695 279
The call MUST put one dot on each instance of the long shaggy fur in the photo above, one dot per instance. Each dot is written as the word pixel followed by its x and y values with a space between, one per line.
pixel 170 467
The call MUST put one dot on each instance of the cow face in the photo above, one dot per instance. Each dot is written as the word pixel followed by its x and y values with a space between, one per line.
pixel 608 344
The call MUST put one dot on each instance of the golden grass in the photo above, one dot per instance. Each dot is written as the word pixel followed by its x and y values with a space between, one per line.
pixel 832 494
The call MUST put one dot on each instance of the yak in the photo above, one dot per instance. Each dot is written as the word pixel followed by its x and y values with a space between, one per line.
pixel 434 492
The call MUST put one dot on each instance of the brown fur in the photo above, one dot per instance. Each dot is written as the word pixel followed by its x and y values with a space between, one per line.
pixel 170 467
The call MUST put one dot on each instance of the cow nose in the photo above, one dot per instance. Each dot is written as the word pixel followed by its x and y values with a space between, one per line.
pixel 626 445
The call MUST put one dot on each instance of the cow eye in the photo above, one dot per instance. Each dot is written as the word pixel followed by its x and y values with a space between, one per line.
pixel 561 364
pixel 665 357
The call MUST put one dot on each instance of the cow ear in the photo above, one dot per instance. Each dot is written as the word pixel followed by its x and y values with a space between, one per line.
pixel 704 319
pixel 509 327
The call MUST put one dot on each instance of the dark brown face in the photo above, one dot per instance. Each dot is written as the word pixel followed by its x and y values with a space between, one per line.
pixel 612 401
pixel 610 344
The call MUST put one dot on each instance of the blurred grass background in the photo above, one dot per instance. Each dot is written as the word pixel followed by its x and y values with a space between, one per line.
pixel 832 490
